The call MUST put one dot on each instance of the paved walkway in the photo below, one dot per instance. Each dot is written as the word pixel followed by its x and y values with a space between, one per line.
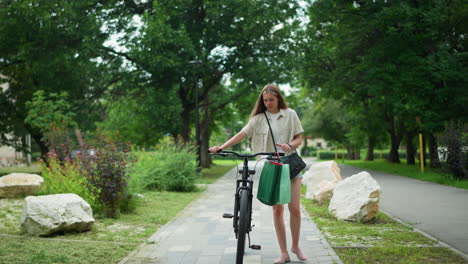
pixel 200 235
pixel 439 210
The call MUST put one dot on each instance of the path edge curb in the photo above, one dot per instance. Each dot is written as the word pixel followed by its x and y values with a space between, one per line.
pixel 440 242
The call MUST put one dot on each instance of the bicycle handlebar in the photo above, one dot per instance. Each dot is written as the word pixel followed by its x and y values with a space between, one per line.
pixel 225 153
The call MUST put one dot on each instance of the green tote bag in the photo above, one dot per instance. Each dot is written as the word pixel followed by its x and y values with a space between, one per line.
pixel 274 186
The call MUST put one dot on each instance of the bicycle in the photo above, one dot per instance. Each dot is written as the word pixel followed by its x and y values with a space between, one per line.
pixel 242 217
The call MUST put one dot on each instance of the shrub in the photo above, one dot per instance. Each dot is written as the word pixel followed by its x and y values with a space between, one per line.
pixel 180 171
pixel 454 138
pixel 66 177
pixel 170 167
pixel 329 155
pixel 105 172
pixel 309 151
pixel 145 173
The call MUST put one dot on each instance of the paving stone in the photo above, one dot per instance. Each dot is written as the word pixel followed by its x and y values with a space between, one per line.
pixel 209 260
pixel 200 235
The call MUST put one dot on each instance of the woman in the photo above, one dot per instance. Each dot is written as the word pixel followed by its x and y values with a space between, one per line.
pixel 287 130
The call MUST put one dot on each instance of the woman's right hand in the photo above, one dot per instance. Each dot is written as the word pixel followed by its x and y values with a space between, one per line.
pixel 215 149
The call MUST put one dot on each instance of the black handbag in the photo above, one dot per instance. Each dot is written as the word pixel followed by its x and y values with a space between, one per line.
pixel 296 164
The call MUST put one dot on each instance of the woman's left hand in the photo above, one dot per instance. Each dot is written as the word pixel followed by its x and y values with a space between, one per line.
pixel 284 147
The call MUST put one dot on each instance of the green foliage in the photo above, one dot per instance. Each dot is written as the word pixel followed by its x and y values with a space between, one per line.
pixel 169 167
pixel 66 177
pixel 328 120
pixel 329 155
pixel 144 174
pixel 387 62
pixel 453 139
pixel 142 118
pixel 51 46
pixel 248 42
pixel 46 111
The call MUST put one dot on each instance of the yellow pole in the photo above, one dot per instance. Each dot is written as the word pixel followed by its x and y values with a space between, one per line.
pixel 421 152
pixel 336 153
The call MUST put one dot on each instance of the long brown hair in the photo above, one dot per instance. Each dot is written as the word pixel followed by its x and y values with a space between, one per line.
pixel 260 106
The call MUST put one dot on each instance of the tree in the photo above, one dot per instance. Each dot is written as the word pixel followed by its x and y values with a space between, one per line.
pixel 332 121
pixel 249 42
pixel 394 58
pixel 142 117
pixel 51 115
pixel 51 46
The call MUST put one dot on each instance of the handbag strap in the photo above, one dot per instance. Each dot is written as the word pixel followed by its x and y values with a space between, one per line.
pixel 272 137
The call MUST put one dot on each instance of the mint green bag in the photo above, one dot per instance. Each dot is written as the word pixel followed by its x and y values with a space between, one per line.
pixel 274 186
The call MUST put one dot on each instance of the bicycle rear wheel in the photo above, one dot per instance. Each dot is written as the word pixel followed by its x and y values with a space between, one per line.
pixel 244 214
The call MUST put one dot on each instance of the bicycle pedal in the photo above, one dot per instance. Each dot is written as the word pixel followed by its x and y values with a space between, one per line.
pixel 225 215
pixel 256 247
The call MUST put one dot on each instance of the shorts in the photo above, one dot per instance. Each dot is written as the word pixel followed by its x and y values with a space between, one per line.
pixel 298 176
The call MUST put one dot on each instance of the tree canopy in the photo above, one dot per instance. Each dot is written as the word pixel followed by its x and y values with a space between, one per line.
pixel 143 69
pixel 391 60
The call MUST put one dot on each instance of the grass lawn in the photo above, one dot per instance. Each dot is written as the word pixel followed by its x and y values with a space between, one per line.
pixel 109 241
pixel 383 240
pixel 412 171
pixel 35 168
pixel 219 168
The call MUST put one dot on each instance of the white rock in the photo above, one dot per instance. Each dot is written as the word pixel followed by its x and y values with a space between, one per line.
pixel 325 191
pixel 356 198
pixel 19 184
pixel 49 214
pixel 318 172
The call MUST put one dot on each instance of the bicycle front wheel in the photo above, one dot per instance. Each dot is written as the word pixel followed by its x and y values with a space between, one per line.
pixel 244 214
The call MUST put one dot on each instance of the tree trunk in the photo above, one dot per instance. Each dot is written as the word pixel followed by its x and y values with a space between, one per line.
pixel 42 145
pixel 79 138
pixel 410 150
pixel 207 120
pixel 370 148
pixel 353 152
pixel 433 152
pixel 393 155
pixel 357 153
pixel 185 130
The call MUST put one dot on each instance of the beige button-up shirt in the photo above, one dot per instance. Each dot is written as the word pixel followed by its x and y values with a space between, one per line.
pixel 288 124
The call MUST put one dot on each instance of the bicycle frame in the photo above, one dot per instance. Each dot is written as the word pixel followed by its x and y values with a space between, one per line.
pixel 244 184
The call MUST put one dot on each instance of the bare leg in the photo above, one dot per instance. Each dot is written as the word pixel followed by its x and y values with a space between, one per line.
pixel 295 217
pixel 278 219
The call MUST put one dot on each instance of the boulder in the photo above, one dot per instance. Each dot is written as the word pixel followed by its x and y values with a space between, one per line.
pixel 56 213
pixel 322 171
pixel 325 191
pixel 356 198
pixel 19 185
